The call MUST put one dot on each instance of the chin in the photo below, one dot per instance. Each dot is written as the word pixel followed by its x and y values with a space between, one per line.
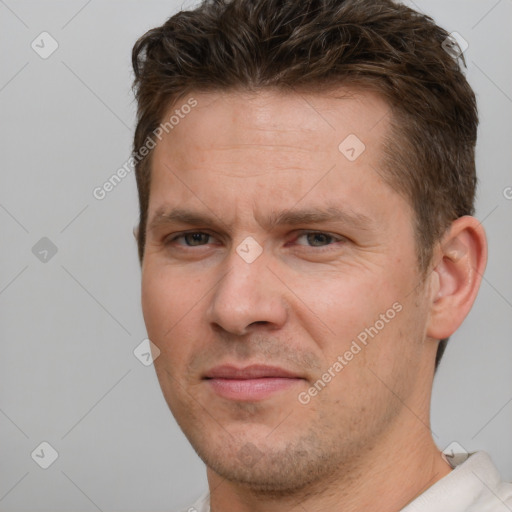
pixel 272 471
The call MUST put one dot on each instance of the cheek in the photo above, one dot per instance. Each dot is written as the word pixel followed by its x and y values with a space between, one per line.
pixel 164 305
pixel 154 302
pixel 372 320
pixel 173 305
pixel 345 304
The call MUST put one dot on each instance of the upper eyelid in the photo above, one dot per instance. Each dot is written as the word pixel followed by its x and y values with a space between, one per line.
pixel 208 232
pixel 174 236
pixel 309 231
pixel 336 238
pixel 297 233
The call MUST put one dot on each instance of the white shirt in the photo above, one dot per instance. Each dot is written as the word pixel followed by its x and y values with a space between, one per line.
pixel 473 486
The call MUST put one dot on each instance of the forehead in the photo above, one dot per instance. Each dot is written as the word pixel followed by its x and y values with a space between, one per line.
pixel 259 149
pixel 272 127
pixel 276 116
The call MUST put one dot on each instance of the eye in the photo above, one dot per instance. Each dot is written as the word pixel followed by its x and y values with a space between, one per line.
pixel 192 239
pixel 317 239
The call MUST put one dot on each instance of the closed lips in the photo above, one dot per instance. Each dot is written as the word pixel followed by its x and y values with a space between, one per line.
pixel 250 384
pixel 249 372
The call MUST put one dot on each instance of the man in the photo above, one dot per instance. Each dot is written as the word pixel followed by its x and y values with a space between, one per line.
pixel 306 181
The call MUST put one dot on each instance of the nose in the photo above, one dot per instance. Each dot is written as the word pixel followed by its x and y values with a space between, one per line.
pixel 247 296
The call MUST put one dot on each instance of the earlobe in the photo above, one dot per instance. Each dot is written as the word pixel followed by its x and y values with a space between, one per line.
pixel 455 280
pixel 136 232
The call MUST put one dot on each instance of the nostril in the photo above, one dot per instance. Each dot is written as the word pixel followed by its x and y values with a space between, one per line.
pixel 259 322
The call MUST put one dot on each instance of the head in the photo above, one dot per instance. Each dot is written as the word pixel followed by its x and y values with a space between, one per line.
pixel 347 121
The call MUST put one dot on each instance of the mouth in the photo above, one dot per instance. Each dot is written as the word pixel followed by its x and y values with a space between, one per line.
pixel 251 383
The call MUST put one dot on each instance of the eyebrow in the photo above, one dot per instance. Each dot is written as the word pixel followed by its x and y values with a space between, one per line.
pixel 291 217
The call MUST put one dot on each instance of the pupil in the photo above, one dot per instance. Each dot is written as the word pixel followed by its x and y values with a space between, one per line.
pixel 318 238
pixel 195 238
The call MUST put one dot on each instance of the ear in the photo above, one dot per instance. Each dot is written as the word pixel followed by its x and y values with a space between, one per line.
pixel 136 232
pixel 460 263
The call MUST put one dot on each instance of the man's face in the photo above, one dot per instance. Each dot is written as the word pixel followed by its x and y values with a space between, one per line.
pixel 274 251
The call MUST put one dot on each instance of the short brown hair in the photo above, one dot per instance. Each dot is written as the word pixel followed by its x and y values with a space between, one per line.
pixel 306 45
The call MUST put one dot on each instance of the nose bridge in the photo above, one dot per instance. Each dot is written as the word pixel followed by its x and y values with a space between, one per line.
pixel 246 293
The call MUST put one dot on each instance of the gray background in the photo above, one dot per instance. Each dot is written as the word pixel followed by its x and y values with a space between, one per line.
pixel 69 325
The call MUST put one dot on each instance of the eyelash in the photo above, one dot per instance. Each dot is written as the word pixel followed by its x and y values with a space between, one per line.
pixel 333 238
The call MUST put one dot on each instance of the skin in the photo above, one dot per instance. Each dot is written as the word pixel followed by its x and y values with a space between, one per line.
pixel 364 440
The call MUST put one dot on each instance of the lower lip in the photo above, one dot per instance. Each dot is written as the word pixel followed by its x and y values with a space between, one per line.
pixel 251 389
